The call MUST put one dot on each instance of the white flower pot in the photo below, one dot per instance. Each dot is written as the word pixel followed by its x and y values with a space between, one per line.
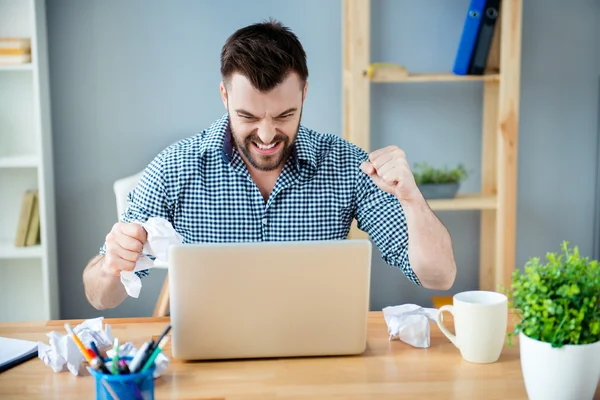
pixel 571 372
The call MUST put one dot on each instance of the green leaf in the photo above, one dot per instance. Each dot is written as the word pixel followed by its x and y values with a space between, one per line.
pixel 558 301
pixel 425 173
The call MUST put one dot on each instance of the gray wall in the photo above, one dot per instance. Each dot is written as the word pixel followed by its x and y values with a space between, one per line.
pixel 128 78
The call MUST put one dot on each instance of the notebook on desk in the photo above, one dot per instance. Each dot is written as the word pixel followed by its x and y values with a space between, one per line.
pixel 15 351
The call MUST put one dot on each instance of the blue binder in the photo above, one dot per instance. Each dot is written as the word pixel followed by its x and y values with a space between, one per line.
pixel 468 38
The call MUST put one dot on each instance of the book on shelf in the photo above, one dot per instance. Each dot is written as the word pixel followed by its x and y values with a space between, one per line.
pixel 15 51
pixel 28 226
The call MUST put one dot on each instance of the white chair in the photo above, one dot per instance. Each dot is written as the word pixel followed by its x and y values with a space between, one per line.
pixel 122 187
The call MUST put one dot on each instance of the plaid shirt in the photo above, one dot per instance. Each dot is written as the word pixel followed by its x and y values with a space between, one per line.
pixel 202 187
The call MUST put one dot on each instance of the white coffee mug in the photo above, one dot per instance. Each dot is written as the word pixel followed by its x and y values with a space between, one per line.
pixel 480 323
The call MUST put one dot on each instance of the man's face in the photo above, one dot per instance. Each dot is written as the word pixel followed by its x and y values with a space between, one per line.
pixel 264 126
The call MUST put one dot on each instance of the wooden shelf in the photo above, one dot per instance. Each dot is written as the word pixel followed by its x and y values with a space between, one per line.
pixel 390 77
pixel 500 125
pixel 473 201
pixel 25 134
pixel 8 250
pixel 19 161
pixel 16 67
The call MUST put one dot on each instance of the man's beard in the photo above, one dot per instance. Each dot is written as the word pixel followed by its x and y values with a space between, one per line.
pixel 265 162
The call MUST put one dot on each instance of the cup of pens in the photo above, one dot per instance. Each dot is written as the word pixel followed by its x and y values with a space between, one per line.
pixel 123 377
pixel 137 385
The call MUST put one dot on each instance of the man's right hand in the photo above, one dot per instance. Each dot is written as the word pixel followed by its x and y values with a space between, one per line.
pixel 124 244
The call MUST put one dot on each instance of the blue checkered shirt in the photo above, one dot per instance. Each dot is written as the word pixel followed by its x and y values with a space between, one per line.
pixel 202 187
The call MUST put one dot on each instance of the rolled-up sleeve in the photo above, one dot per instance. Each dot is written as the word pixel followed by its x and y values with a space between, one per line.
pixel 380 215
pixel 150 197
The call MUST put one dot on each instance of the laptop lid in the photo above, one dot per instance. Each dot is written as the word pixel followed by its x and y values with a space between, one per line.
pixel 269 299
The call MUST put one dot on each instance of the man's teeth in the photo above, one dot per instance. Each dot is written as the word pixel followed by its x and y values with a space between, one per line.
pixel 262 147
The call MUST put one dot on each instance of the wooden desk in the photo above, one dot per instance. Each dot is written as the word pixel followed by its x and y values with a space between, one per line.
pixel 387 370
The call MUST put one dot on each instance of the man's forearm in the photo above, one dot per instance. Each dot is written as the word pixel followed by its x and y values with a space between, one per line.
pixel 430 246
pixel 101 289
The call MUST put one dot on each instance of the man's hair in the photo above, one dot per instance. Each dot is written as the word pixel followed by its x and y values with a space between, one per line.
pixel 264 53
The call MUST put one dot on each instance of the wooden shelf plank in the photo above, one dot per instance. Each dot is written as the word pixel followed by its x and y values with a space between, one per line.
pixel 16 67
pixel 8 250
pixel 489 170
pixel 19 161
pixel 390 77
pixel 356 89
pixel 356 93
pixel 465 202
pixel 508 143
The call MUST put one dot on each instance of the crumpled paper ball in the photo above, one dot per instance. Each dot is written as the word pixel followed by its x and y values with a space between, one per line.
pixel 161 236
pixel 409 323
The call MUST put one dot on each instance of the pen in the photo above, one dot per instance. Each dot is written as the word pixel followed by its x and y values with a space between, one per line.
pixel 94 362
pixel 140 356
pixel 147 351
pixel 97 363
pixel 95 348
pixel 155 344
pixel 78 343
pixel 155 353
pixel 115 360
pixel 123 368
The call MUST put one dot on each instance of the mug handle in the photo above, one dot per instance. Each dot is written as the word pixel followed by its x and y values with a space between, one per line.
pixel 443 328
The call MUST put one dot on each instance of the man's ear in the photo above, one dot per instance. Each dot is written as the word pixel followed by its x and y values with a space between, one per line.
pixel 223 90
pixel 304 91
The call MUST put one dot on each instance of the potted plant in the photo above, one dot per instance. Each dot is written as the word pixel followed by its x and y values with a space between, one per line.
pixel 558 305
pixel 438 183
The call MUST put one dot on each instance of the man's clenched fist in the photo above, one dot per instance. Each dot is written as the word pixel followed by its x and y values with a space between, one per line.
pixel 390 170
pixel 124 244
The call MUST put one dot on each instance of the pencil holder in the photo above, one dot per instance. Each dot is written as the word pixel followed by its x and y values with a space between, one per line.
pixel 138 386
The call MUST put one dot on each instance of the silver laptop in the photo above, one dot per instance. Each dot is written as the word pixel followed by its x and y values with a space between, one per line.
pixel 269 299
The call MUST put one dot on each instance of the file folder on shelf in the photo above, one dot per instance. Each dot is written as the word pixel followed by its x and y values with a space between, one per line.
pixel 468 38
pixel 484 39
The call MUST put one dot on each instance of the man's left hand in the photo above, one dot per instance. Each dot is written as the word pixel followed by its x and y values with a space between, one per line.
pixel 390 171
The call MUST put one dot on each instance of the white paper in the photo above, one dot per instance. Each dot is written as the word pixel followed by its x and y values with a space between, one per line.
pixel 12 349
pixel 409 323
pixel 61 353
pixel 161 235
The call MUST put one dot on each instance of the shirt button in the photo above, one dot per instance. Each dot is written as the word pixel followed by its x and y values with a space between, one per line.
pixel 264 221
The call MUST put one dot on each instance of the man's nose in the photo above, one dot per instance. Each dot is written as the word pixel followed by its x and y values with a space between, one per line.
pixel 266 132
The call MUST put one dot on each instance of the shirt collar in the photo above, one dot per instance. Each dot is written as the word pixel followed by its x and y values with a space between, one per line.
pixel 304 148
pixel 303 151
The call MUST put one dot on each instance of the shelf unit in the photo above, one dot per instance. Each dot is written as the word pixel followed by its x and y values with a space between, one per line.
pixel 501 81
pixel 28 275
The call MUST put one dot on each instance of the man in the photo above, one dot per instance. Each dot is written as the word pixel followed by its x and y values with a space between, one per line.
pixel 257 174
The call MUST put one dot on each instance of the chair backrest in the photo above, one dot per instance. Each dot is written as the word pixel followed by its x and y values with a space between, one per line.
pixel 122 187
